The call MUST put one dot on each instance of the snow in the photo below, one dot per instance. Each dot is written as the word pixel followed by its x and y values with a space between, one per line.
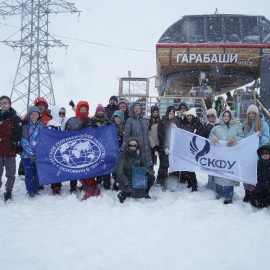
pixel 177 229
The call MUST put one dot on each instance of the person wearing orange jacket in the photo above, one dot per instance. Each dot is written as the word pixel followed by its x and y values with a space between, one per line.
pixel 42 104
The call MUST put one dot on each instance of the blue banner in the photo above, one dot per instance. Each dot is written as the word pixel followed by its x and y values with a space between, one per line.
pixel 72 155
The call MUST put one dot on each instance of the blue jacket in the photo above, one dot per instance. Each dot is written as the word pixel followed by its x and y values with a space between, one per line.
pixel 29 134
pixel 265 131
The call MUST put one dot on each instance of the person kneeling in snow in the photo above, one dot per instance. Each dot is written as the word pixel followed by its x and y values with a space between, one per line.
pixel 126 160
pixel 260 196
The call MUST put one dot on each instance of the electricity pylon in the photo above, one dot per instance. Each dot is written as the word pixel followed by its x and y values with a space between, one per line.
pixel 33 75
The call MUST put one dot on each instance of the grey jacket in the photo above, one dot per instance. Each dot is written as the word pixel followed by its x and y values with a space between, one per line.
pixel 137 127
pixel 225 133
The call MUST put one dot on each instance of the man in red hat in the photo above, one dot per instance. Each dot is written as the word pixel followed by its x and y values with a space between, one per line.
pixel 42 104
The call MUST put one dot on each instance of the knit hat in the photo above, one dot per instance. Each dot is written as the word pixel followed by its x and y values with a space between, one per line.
pixel 114 98
pixel 212 111
pixel 170 108
pixel 183 104
pixel 100 108
pixel 252 108
pixel 192 111
pixel 122 105
pixel 154 108
pixel 137 104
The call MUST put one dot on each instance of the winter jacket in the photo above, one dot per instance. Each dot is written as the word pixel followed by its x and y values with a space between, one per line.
pixel 110 109
pixel 263 170
pixel 225 133
pixel 120 127
pixel 137 127
pixel 208 126
pixel 56 122
pixel 29 134
pixel 195 126
pixel 10 133
pixel 125 161
pixel 100 121
pixel 45 118
pixel 265 131
pixel 79 121
pixel 153 133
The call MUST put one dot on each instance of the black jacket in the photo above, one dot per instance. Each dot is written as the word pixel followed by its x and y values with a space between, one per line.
pixel 110 109
pixel 10 132
pixel 263 170
pixel 74 123
pixel 195 127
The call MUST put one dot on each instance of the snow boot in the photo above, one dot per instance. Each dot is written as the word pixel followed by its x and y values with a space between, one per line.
pixel 56 191
pixel 247 196
pixel 147 197
pixel 115 187
pixel 194 188
pixel 122 196
pixel 92 188
pixel 227 202
pixel 40 188
pixel 7 196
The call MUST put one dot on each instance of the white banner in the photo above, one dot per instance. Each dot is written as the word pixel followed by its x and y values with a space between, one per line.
pixel 190 152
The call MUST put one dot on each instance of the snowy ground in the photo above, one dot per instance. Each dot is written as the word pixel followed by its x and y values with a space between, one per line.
pixel 174 230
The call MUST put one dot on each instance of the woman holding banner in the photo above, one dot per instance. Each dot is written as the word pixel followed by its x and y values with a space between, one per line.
pixel 254 123
pixel 230 132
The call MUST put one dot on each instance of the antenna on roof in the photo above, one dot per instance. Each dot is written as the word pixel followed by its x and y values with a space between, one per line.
pixel 216 12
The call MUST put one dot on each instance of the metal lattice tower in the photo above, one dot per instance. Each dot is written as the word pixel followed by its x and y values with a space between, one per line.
pixel 33 76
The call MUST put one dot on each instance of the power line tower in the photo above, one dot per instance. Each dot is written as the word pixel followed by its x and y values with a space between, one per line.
pixel 33 76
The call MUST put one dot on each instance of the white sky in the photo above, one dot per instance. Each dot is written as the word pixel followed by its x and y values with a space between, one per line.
pixel 91 72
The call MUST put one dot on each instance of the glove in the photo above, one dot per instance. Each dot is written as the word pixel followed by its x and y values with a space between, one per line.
pixel 71 103
pixel 32 159
pixel 167 151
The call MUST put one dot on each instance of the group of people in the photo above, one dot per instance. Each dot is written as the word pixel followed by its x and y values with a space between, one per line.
pixel 140 141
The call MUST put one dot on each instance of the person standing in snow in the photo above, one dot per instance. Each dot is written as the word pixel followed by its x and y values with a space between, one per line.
pixel 164 133
pixel 118 120
pixel 192 124
pixel 57 123
pixel 260 195
pixel 254 123
pixel 28 156
pixel 230 132
pixel 100 119
pixel 10 136
pixel 212 121
pixel 80 121
pixel 137 127
pixel 111 107
pixel 131 157
pixel 153 132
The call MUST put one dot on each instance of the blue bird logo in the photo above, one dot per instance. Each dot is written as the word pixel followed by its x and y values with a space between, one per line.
pixel 195 151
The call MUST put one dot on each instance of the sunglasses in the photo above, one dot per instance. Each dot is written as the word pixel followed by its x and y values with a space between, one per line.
pixel 4 103
pixel 132 145
pixel 266 152
pixel 210 115
pixel 62 113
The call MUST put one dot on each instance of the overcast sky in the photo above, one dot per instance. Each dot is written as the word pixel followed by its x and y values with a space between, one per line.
pixel 91 72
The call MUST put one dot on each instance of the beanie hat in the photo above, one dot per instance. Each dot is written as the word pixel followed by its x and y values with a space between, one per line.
pixel 170 108
pixel 122 105
pixel 182 104
pixel 114 98
pixel 212 111
pixel 192 111
pixel 154 108
pixel 6 97
pixel 100 108
pixel 252 108
pixel 137 104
